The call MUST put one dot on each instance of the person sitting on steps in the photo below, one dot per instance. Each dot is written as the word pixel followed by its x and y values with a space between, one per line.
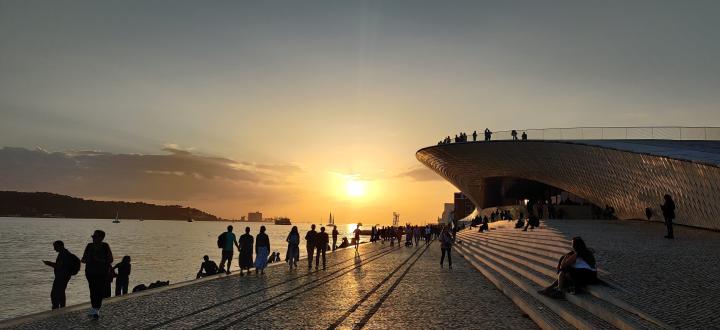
pixel 576 269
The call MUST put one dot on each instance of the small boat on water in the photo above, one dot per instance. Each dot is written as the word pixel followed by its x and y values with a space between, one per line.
pixel 190 220
pixel 117 218
pixel 331 221
pixel 283 221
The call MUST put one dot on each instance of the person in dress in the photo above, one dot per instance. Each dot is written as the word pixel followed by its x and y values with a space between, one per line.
pixel 246 251
pixel 262 251
pixel 293 250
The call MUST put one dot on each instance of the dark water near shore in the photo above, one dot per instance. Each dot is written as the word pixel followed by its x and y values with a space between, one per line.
pixel 160 250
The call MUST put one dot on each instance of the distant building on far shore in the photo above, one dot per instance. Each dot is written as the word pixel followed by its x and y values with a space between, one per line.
pixel 447 214
pixel 255 217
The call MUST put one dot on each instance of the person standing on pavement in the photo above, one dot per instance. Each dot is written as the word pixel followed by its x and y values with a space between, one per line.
pixel 98 260
pixel 321 243
pixel 262 250
pixel 293 251
pixel 335 234
pixel 123 276
pixel 668 210
pixel 65 266
pixel 357 237
pixel 445 246
pixel 228 242
pixel 245 246
pixel 310 244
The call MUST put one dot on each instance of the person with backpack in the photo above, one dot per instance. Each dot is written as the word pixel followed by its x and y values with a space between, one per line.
pixel 98 260
pixel 123 276
pixel 227 242
pixel 65 266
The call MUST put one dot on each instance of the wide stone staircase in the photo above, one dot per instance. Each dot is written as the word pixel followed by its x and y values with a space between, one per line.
pixel 521 263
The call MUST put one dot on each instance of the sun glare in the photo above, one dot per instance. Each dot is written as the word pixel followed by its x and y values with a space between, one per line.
pixel 355 188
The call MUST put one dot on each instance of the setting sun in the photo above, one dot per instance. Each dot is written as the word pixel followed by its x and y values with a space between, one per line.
pixel 355 188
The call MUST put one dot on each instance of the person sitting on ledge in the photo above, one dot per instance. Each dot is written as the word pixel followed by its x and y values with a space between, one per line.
pixel 533 221
pixel 575 270
pixel 484 226
pixel 207 268
pixel 344 243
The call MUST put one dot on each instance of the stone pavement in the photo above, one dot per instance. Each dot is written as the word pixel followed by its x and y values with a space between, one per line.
pixel 675 281
pixel 383 287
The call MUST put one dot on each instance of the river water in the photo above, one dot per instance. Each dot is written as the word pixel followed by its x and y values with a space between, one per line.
pixel 160 250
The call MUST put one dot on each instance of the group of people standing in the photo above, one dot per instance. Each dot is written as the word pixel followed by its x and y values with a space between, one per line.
pixel 463 137
pixel 316 244
pixel 99 272
pixel 228 242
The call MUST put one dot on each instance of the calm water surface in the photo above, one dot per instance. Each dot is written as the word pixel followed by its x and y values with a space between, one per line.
pixel 160 250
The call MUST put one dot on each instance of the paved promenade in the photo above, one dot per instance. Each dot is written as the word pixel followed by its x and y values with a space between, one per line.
pixel 675 281
pixel 383 287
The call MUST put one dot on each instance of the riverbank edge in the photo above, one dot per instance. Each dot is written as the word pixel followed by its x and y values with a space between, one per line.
pixel 86 305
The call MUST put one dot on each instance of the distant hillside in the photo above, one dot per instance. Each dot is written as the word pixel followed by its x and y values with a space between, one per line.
pixel 42 204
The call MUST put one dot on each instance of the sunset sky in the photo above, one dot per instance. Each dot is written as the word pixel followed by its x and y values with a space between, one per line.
pixel 301 108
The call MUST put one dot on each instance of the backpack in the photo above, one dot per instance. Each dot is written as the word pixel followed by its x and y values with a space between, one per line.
pixel 73 264
pixel 221 241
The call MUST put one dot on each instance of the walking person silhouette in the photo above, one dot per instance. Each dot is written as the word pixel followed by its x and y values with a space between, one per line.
pixel 310 244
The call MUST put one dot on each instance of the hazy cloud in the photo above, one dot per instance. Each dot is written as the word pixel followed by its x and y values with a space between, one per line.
pixel 178 175
pixel 420 174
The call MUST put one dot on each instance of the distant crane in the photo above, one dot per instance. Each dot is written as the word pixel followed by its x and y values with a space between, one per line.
pixel 396 219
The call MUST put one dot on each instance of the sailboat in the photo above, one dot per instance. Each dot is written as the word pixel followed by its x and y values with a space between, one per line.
pixel 331 220
pixel 117 218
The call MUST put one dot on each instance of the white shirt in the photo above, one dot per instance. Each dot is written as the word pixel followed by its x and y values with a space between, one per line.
pixel 580 264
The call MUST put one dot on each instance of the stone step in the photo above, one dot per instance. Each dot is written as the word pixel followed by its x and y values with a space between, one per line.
pixel 571 313
pixel 562 244
pixel 519 242
pixel 536 310
pixel 538 231
pixel 527 250
pixel 546 268
pixel 543 277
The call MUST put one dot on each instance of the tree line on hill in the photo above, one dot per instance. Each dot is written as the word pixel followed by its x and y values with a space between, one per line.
pixel 44 204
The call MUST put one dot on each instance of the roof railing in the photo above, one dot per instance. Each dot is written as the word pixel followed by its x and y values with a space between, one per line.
pixel 608 133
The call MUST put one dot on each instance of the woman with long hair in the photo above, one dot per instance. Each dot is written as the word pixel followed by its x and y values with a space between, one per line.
pixel 576 269
pixel 262 250
pixel 293 250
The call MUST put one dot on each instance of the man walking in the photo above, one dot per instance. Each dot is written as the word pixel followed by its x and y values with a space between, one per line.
pixel 228 242
pixel 668 210
pixel 321 242
pixel 310 244
pixel 65 266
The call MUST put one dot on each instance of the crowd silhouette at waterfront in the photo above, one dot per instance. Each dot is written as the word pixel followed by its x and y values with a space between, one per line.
pixel 575 269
